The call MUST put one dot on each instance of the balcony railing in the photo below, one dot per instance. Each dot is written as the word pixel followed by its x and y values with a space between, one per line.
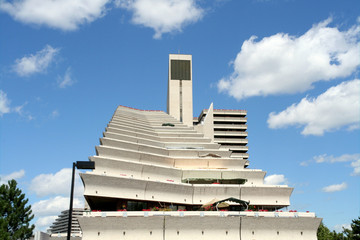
pixel 198 213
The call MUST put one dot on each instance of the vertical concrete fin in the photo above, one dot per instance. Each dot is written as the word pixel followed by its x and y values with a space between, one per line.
pixel 209 123
pixel 206 126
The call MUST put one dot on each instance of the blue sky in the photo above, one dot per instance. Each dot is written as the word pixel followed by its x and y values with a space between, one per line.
pixel 292 64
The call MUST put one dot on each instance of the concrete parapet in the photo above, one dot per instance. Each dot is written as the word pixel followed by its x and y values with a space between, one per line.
pixel 132 124
pixel 184 139
pixel 110 167
pixel 201 225
pixel 132 133
pixel 133 139
pixel 205 193
pixel 127 187
pixel 133 129
pixel 115 153
pixel 146 171
pixel 267 195
pixel 179 162
pixel 180 134
pixel 191 163
pixel 133 146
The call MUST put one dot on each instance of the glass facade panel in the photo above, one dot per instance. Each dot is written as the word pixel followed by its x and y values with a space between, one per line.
pixel 180 69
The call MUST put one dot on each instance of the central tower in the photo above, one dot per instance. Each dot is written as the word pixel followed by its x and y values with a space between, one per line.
pixel 179 98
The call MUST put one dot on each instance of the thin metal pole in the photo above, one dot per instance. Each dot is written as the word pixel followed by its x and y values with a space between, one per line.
pixel 71 202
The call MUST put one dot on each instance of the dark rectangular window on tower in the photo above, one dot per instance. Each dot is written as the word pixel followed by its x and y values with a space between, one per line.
pixel 180 70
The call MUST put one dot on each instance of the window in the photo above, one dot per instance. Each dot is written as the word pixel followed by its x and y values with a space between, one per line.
pixel 180 70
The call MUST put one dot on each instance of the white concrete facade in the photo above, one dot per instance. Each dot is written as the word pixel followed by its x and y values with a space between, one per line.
pixel 226 127
pixel 152 160
pixel 139 160
pixel 200 225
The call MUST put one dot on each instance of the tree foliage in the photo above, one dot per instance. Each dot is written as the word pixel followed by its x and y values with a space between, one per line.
pixel 355 226
pixel 324 233
pixel 15 215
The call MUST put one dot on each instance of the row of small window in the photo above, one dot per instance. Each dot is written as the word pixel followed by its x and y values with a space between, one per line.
pixel 278 233
pixel 177 232
pixel 202 232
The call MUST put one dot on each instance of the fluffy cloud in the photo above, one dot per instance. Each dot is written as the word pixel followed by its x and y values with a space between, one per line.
pixel 66 80
pixel 35 63
pixel 43 223
pixel 163 16
pixel 4 103
pixel 53 206
pixel 356 166
pixel 324 158
pixel 14 175
pixel 337 107
pixel 60 14
pixel 6 108
pixel 56 184
pixel 331 159
pixel 341 227
pixel 335 188
pixel 46 211
pixel 275 179
pixel 284 64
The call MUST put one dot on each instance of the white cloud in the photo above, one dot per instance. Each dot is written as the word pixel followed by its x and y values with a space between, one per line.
pixel 66 80
pixel 324 158
pixel 6 108
pixel 43 223
pixel 331 159
pixel 337 107
pixel 335 187
pixel 163 16
pixel 356 166
pixel 304 163
pixel 60 14
pixel 46 211
pixel 56 184
pixel 341 227
pixel 14 175
pixel 54 114
pixel 4 103
pixel 54 205
pixel 35 63
pixel 275 179
pixel 19 109
pixel 284 64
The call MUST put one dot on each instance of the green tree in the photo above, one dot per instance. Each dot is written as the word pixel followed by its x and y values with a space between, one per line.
pixel 348 233
pixel 355 226
pixel 323 233
pixel 15 216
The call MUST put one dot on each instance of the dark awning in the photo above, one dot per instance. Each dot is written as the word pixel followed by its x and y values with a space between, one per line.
pixel 231 199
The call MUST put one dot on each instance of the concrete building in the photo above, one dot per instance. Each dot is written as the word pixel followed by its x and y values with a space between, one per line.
pixel 156 174
pixel 60 226
pixel 228 128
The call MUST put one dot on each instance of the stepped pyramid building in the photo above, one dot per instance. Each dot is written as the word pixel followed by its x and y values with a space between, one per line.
pixel 60 226
pixel 158 173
